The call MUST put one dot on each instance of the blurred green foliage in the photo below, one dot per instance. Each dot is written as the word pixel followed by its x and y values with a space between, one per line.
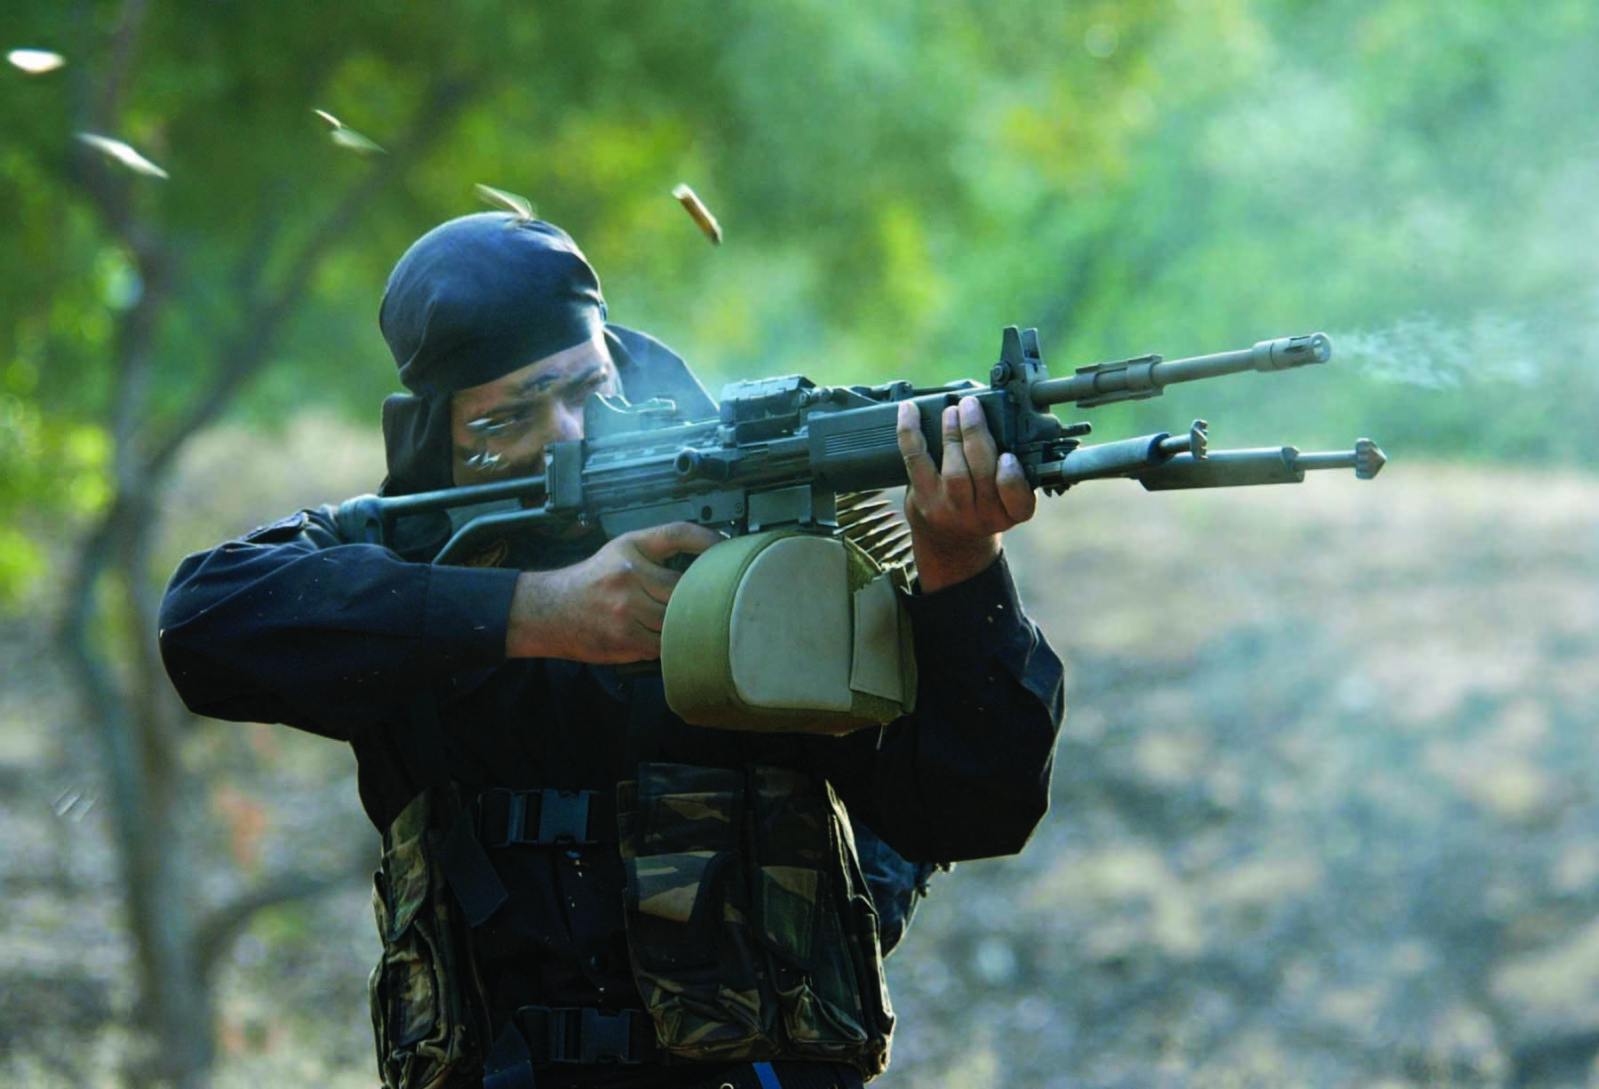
pixel 896 181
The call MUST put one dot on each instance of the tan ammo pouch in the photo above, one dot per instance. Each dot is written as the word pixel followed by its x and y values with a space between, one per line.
pixel 418 990
pixel 750 926
pixel 787 630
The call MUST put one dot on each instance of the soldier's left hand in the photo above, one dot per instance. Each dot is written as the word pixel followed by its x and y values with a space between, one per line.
pixel 957 512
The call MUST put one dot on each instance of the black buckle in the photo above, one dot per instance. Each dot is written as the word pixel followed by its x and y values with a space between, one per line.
pixel 564 818
pixel 580 1035
pixel 607 1039
pixel 561 817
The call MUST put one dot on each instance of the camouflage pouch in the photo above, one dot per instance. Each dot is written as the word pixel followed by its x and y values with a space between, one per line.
pixel 419 990
pixel 750 926
pixel 687 908
pixel 817 923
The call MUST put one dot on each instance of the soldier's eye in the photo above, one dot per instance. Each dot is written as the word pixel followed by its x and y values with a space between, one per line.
pixel 499 424
pixel 576 395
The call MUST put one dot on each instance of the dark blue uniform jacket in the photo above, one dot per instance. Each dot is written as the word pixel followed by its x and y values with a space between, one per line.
pixel 293 625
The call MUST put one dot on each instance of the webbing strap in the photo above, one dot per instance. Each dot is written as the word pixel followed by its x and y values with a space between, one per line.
pixel 472 877
pixel 509 1065
pixel 420 741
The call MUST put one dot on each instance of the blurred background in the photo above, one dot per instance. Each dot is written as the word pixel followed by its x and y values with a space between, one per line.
pixel 1325 807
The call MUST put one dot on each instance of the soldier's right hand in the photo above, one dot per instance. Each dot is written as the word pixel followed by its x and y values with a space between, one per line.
pixel 610 607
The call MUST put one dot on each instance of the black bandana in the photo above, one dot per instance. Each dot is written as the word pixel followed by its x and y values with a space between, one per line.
pixel 480 296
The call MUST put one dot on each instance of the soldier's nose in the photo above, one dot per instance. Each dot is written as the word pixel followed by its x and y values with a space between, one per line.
pixel 569 423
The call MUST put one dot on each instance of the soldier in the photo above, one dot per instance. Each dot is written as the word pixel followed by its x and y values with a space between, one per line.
pixel 577 888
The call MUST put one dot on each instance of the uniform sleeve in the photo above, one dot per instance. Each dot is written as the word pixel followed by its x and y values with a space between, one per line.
pixel 967 775
pixel 291 625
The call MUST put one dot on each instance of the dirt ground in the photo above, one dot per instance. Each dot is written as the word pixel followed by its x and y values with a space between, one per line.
pixel 1324 810
pixel 1324 814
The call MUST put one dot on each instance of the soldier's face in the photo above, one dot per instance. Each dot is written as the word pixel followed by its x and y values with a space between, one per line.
pixel 500 429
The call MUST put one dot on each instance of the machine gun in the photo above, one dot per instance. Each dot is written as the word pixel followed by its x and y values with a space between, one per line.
pixel 783 451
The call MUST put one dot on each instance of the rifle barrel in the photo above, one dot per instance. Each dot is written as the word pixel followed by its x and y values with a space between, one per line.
pixel 1148 376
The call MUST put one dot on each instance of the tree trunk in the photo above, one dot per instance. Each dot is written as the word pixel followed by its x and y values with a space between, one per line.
pixel 137 729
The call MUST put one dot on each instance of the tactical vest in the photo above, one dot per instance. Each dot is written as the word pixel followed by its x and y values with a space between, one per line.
pixel 750 924
pixel 751 929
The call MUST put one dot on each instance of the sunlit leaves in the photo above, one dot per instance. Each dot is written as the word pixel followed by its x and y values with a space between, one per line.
pixel 913 283
pixel 85 464
pixel 21 441
pixel 51 471
pixel 118 279
pixel 22 563
pixel 51 464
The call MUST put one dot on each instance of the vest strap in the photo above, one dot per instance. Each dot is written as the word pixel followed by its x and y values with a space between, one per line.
pixel 471 876
pixel 508 1064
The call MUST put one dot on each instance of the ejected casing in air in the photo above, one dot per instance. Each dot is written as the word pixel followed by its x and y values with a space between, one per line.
pixel 1146 376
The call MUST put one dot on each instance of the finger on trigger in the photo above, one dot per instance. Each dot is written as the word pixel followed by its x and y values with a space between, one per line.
pixel 659 543
pixel 658 582
pixel 695 538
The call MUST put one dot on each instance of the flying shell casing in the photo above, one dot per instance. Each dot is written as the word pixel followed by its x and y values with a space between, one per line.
pixel 699 213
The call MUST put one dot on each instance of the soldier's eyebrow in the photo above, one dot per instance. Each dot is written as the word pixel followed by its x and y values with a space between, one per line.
pixel 533 391
pixel 539 384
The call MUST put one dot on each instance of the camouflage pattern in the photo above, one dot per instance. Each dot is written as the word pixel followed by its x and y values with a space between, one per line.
pixel 751 929
pixel 420 1015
